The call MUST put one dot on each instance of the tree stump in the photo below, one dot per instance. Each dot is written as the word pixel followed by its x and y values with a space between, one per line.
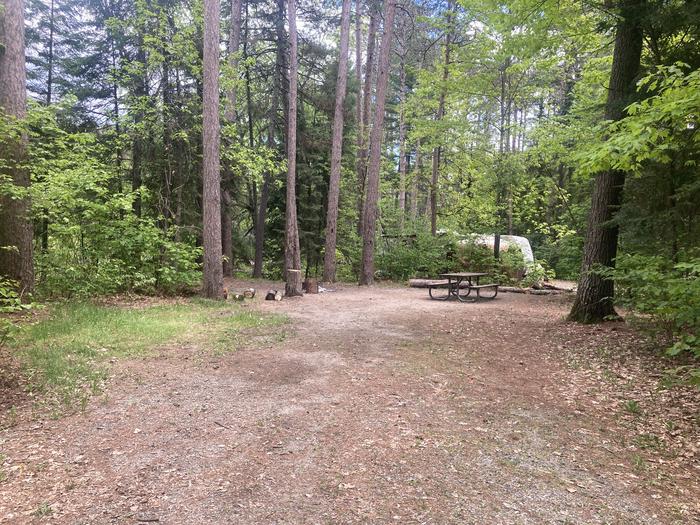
pixel 293 284
pixel 311 285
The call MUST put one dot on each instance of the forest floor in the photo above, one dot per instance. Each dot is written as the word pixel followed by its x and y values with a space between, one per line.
pixel 372 405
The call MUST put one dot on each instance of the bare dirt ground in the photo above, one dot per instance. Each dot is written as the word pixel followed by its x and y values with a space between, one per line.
pixel 379 406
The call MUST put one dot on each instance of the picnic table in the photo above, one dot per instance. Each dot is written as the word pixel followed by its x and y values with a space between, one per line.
pixel 456 282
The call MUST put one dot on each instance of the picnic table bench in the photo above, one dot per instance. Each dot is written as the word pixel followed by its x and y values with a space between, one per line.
pixel 454 283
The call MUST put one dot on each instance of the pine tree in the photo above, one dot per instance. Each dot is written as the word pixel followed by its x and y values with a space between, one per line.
pixel 292 251
pixel 231 117
pixel 16 255
pixel 337 146
pixel 595 294
pixel 371 206
pixel 211 196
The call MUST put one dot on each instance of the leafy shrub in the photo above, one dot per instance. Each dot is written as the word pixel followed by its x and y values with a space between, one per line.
pixel 511 266
pixel 421 256
pixel 508 269
pixel 664 297
pixel 476 257
pixel 563 255
pixel 128 255
pixel 10 302
pixel 96 244
pixel 348 257
pixel 536 274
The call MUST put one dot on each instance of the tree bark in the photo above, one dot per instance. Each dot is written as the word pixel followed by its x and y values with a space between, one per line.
pixel 49 98
pixel 169 126
pixel 366 105
pixel 415 184
pixel 595 296
pixel 437 151
pixel 16 235
pixel 292 251
pixel 272 128
pixel 260 227
pixel 140 91
pixel 402 142
pixel 372 195
pixel 211 195
pixel 337 147
pixel 359 121
pixel 234 41
pixel 230 116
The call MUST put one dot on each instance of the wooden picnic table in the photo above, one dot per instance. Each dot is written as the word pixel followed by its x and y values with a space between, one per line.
pixel 457 281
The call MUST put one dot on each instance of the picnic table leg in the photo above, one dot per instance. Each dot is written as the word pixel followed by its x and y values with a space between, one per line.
pixel 446 296
pixel 437 297
pixel 463 298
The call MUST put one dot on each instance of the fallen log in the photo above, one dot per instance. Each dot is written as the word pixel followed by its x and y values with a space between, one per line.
pixel 529 291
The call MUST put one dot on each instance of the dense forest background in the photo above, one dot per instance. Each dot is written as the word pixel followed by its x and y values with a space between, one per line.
pixel 498 119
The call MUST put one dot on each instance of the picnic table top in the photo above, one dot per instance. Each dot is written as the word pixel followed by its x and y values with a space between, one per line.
pixel 461 275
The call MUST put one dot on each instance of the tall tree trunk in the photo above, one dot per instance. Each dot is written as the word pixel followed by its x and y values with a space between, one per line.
pixel 49 72
pixel 226 231
pixel 402 142
pixel 415 184
pixel 230 116
pixel 168 143
pixel 437 151
pixel 372 195
pixel 595 296
pixel 117 125
pixel 137 156
pixel 49 99
pixel 278 78
pixel 366 105
pixel 251 140
pixel 502 148
pixel 234 41
pixel 16 236
pixel 359 121
pixel 182 162
pixel 211 195
pixel 260 226
pixel 292 251
pixel 337 146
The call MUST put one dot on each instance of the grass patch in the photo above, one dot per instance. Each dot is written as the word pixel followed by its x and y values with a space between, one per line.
pixel 648 441
pixel 247 326
pixel 65 356
pixel 632 407
pixel 639 463
pixel 3 474
pixel 43 510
